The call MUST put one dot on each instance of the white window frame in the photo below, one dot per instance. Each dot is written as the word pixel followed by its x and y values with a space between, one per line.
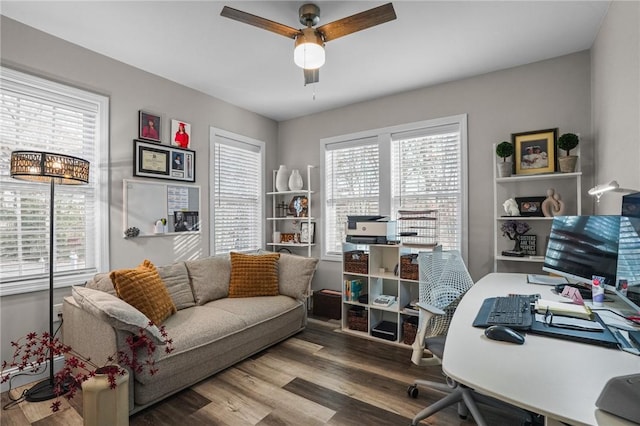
pixel 215 136
pixel 99 172
pixel 383 137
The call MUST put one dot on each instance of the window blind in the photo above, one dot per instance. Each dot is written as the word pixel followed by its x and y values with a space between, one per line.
pixel 352 179
pixel 237 201
pixel 417 166
pixel 36 114
pixel 427 175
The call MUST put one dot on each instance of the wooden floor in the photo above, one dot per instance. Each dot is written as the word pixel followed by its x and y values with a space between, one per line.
pixel 318 377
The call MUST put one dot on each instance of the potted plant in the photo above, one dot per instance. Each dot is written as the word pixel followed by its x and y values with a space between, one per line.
pixel 567 142
pixel 504 149
pixel 513 229
pixel 78 372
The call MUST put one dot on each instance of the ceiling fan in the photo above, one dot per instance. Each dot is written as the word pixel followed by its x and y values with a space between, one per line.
pixel 309 41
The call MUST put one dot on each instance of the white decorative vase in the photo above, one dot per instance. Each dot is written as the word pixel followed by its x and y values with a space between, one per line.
pixel 103 406
pixel 504 168
pixel 295 180
pixel 282 176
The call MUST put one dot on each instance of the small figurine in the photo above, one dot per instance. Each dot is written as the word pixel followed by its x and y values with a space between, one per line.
pixel 511 207
pixel 553 205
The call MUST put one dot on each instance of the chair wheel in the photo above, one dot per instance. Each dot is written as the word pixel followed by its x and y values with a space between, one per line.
pixel 412 391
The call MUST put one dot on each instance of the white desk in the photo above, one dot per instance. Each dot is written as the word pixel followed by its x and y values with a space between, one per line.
pixel 556 378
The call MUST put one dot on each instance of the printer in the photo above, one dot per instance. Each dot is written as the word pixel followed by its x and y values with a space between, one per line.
pixel 370 230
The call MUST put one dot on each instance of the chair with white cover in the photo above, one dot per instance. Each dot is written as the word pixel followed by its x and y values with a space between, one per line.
pixel 444 279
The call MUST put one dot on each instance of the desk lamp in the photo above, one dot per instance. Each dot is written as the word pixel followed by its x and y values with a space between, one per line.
pixel 46 167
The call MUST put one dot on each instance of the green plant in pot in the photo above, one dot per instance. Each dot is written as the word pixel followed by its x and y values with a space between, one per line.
pixel 504 150
pixel 567 142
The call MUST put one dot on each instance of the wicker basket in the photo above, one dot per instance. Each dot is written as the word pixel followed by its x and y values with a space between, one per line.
pixel 409 330
pixel 409 266
pixel 357 320
pixel 356 261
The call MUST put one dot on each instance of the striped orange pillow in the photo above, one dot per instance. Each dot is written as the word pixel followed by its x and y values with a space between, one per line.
pixel 254 275
pixel 143 289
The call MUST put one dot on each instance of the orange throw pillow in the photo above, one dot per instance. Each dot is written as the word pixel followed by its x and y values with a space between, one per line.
pixel 254 275
pixel 143 289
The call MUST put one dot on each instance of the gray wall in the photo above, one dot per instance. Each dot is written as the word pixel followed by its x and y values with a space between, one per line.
pixel 615 73
pixel 129 90
pixel 552 93
pixel 541 95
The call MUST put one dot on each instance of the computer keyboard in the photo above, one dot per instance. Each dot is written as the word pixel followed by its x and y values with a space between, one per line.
pixel 514 310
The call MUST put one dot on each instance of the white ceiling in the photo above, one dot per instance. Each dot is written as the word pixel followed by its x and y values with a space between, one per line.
pixel 429 43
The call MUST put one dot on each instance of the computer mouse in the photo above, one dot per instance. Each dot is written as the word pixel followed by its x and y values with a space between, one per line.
pixel 504 334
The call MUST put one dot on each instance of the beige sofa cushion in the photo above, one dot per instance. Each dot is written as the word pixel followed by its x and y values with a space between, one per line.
pixel 209 278
pixel 115 312
pixel 295 275
pixel 176 278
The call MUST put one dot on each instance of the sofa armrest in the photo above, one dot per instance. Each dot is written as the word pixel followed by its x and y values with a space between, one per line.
pixel 88 335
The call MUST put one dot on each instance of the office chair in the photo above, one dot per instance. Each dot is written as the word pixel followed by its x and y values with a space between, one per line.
pixel 444 279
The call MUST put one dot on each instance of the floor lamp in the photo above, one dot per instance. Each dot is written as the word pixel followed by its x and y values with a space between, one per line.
pixel 49 168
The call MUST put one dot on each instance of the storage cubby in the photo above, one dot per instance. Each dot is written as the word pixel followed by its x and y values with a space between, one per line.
pixel 381 273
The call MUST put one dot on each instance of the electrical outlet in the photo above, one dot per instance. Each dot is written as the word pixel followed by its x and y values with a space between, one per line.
pixel 57 312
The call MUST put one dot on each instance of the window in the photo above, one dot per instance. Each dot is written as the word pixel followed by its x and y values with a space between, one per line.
pixel 36 114
pixel 237 188
pixel 417 166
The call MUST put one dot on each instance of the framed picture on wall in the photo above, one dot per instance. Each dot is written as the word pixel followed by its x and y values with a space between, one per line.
pixel 180 133
pixel 162 162
pixel 149 126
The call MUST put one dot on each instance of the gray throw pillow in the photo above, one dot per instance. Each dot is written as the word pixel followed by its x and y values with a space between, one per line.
pixel 295 275
pixel 176 279
pixel 209 278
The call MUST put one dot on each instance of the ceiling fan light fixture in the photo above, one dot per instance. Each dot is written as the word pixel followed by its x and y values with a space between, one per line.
pixel 309 50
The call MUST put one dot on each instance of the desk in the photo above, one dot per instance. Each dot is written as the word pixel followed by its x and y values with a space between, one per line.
pixel 552 377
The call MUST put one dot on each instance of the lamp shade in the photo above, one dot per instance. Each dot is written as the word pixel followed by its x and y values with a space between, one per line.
pixel 605 187
pixel 40 166
pixel 309 50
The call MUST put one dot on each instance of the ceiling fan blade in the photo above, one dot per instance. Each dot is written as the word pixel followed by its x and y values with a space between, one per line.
pixel 257 21
pixel 359 21
pixel 311 76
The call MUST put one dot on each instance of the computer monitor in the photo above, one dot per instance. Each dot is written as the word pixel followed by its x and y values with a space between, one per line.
pixel 631 205
pixel 629 261
pixel 606 246
pixel 583 246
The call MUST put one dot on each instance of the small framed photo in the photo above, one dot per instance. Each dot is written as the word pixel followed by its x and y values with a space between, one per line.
pixel 535 151
pixel 528 244
pixel 530 206
pixel 180 133
pixel 149 126
pixel 162 162
pixel 307 232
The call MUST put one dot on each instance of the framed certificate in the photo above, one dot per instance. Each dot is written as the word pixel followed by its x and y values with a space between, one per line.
pixel 163 162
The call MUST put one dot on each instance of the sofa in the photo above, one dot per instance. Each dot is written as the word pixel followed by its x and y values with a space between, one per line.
pixel 222 309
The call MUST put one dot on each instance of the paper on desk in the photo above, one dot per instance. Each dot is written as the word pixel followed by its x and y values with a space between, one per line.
pixel 546 279
pixel 568 322
pixel 563 308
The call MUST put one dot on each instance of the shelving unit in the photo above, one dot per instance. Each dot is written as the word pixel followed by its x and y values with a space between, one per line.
pixel 568 185
pixel 286 223
pixel 378 278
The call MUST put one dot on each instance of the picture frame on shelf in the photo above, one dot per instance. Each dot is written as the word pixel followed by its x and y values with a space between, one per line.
pixel 528 244
pixel 307 232
pixel 149 126
pixel 530 206
pixel 180 134
pixel 162 162
pixel 535 151
pixel 299 206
